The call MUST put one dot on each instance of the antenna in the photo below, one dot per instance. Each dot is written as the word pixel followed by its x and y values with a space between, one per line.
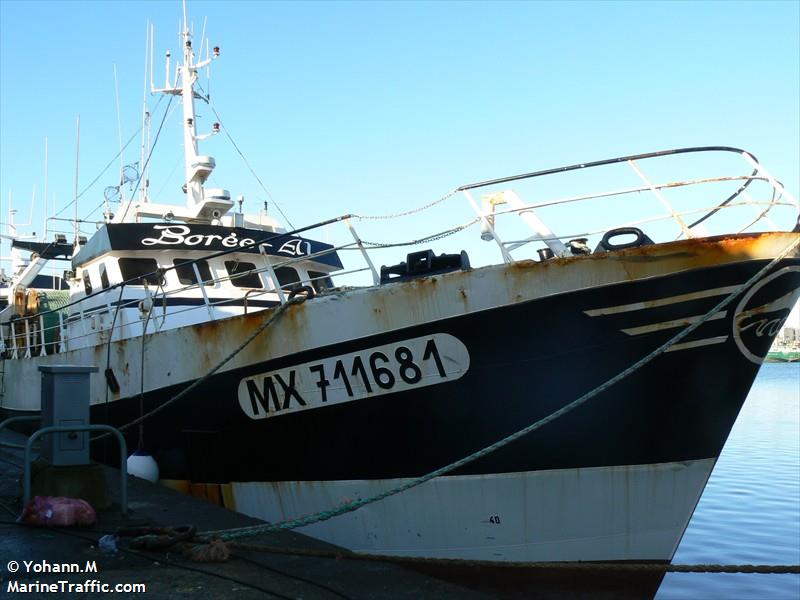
pixel 45 189
pixel 151 28
pixel 148 53
pixel 185 28
pixel 2 260
pixel 203 40
pixel 33 201
pixel 119 133
pixel 12 230
pixel 77 165
pixel 196 171
pixel 166 76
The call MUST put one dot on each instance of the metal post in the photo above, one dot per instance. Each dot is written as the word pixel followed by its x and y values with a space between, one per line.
pixel 262 249
pixel 14 350
pixel 63 332
pixel 123 454
pixel 41 335
pixel 532 220
pixel 773 182
pixel 27 339
pixel 376 279
pixel 201 284
pixel 681 223
pixel 506 256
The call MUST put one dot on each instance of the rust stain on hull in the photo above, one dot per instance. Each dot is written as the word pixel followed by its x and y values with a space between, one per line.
pixel 184 354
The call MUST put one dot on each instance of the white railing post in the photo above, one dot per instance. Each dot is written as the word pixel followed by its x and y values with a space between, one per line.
pixel 62 333
pixel 681 223
pixel 14 348
pixel 41 335
pixel 777 186
pixel 489 227
pixel 202 287
pixel 376 279
pixel 532 220
pixel 27 338
pixel 262 249
pixel 110 318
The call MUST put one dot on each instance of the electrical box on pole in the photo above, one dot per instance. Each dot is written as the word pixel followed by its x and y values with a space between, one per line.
pixel 65 402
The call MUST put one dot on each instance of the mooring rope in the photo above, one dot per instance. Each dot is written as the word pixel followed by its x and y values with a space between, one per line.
pixel 182 539
pixel 275 314
pixel 241 532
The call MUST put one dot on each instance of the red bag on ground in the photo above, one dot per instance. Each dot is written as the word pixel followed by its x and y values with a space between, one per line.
pixel 54 511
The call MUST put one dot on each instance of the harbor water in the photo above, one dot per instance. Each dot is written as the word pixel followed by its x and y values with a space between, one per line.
pixel 750 510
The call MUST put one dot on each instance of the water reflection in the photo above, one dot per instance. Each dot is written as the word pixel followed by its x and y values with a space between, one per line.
pixel 510 583
pixel 748 514
pixel 750 510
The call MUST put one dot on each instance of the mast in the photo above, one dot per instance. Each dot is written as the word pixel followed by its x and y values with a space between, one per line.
pixel 46 223
pixel 201 205
pixel 197 168
pixel 119 138
pixel 77 165
pixel 145 145
pixel 188 76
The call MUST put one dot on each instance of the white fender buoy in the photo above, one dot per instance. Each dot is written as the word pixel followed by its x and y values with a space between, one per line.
pixel 141 464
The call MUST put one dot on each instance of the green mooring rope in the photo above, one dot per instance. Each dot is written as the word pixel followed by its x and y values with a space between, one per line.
pixel 241 532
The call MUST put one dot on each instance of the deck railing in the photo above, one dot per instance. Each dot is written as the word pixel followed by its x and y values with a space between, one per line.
pixel 103 317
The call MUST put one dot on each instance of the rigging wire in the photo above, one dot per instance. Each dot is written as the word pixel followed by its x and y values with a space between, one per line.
pixel 96 179
pixel 96 208
pixel 113 160
pixel 244 158
pixel 149 156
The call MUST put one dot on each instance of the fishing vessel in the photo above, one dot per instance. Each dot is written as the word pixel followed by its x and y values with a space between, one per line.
pixel 229 350
pixel 783 354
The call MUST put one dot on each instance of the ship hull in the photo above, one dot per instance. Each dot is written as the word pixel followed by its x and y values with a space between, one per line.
pixel 619 513
pixel 349 394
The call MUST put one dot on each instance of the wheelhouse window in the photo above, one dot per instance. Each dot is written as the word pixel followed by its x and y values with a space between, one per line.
pixel 321 281
pixel 104 277
pixel 288 278
pixel 243 274
pixel 185 271
pixel 136 271
pixel 87 283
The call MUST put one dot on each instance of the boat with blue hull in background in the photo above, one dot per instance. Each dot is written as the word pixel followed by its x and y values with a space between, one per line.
pixel 254 366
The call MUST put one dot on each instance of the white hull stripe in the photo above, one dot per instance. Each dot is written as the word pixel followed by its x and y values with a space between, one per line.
pixel 612 310
pixel 635 512
pixel 698 343
pixel 672 324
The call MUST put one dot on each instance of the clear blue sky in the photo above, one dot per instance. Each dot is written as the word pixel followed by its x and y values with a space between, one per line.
pixel 379 107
